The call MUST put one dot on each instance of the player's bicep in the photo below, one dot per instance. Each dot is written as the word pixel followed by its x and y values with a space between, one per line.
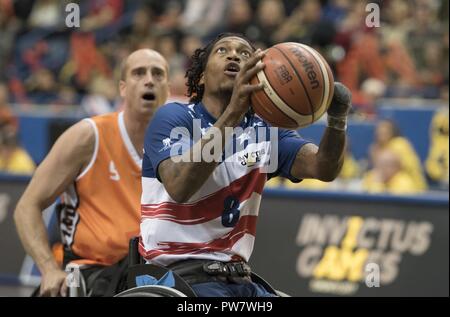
pixel 69 155
pixel 305 164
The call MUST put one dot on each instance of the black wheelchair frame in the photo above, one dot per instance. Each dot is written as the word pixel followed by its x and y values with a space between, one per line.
pixel 137 266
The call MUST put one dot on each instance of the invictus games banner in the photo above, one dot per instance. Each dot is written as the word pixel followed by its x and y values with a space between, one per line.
pixel 314 244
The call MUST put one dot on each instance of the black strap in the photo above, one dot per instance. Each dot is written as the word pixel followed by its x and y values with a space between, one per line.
pixel 118 277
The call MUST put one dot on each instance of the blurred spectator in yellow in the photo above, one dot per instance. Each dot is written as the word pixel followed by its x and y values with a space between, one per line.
pixel 13 159
pixel 437 162
pixel 387 136
pixel 350 172
pixel 387 175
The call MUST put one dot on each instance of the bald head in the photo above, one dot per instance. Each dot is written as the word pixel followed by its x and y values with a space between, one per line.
pixel 144 84
pixel 134 58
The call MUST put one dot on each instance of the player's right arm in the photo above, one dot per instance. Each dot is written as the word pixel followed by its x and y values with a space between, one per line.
pixel 69 156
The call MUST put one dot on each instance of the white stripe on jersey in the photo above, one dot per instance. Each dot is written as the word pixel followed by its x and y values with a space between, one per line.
pixel 166 230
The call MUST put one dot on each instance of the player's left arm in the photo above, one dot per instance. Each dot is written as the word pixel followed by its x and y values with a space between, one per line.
pixel 324 162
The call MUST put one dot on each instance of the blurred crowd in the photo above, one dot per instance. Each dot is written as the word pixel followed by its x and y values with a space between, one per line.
pixel 392 165
pixel 43 61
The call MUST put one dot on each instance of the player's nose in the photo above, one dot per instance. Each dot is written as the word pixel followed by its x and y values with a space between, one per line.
pixel 233 56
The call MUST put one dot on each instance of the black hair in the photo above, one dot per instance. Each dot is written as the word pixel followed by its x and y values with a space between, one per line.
pixel 198 64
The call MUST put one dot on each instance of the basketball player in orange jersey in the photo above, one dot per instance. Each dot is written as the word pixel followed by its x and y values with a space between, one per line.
pixel 202 223
pixel 96 166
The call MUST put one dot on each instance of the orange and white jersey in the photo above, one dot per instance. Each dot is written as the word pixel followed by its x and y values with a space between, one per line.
pixel 101 209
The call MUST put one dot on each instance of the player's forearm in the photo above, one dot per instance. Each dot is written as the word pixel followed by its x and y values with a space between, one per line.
pixel 330 156
pixel 33 234
pixel 182 179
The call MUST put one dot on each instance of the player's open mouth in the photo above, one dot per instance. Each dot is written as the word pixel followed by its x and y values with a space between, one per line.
pixel 232 69
pixel 149 96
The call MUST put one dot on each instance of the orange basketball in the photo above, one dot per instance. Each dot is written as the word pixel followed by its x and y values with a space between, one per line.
pixel 298 86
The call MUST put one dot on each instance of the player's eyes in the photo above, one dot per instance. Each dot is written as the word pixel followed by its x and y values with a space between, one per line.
pixel 221 50
pixel 246 54
pixel 158 74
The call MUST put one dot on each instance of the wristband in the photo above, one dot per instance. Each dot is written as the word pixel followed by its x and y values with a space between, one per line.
pixel 337 123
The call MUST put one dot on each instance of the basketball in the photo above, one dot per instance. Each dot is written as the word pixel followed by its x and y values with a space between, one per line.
pixel 298 86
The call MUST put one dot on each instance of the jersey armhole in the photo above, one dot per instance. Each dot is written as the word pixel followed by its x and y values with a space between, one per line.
pixel 94 155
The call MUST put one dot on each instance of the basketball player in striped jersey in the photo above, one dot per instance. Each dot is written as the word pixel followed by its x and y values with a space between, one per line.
pixel 96 168
pixel 202 221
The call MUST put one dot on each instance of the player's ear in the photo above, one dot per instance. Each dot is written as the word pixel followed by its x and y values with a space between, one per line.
pixel 202 79
pixel 122 88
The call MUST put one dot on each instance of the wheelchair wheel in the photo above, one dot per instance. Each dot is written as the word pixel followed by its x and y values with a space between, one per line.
pixel 151 291
pixel 281 294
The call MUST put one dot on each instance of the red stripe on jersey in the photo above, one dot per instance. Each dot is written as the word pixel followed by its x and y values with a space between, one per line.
pixel 210 207
pixel 245 225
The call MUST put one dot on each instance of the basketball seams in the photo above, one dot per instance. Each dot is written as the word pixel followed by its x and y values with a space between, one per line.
pixel 311 107
pixel 278 102
pixel 326 82
pixel 285 100
pixel 261 94
pixel 267 76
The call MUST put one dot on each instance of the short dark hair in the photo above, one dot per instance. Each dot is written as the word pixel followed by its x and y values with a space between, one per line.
pixel 198 64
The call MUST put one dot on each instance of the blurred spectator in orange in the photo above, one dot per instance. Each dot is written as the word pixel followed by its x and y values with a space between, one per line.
pixel 388 137
pixel 86 58
pixel 7 116
pixel 101 13
pixel 13 159
pixel 387 176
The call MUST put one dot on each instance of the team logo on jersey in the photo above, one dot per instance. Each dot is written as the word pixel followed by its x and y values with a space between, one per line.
pixel 251 158
pixel 166 144
pixel 113 173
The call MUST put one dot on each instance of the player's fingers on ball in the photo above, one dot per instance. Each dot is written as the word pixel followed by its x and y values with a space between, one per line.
pixel 253 71
pixel 248 89
pixel 253 60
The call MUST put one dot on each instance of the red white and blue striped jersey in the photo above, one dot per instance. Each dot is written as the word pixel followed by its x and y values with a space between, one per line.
pixel 219 221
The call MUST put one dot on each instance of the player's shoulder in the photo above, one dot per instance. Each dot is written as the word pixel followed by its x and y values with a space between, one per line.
pixel 174 112
pixel 81 135
pixel 173 108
